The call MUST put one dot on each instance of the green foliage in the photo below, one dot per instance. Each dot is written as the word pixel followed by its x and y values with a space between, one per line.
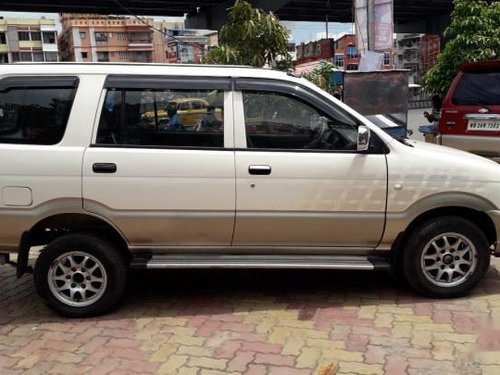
pixel 473 35
pixel 250 37
pixel 321 74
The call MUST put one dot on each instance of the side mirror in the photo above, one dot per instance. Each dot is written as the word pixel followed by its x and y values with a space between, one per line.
pixel 363 138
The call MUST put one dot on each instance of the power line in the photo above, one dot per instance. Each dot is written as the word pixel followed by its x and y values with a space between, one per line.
pixel 152 27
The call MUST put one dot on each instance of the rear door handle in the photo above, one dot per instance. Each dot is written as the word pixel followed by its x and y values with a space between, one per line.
pixel 104 167
pixel 259 169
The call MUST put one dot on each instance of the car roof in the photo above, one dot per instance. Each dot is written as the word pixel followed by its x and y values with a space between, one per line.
pixel 481 66
pixel 143 69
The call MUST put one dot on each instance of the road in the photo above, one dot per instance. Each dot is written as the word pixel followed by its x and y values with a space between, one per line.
pixel 208 322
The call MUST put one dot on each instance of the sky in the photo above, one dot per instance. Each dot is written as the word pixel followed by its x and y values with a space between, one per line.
pixel 302 32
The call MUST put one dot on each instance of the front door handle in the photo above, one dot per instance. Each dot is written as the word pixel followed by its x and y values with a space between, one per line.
pixel 104 167
pixel 259 169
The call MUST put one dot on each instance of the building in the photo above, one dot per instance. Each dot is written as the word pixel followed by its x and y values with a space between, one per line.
pixel 28 40
pixel 346 55
pixel 315 51
pixel 431 48
pixel 418 53
pixel 343 53
pixel 99 38
pixel 188 46
pixel 93 37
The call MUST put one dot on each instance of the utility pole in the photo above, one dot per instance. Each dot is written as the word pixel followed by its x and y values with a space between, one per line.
pixel 326 18
pixel 370 21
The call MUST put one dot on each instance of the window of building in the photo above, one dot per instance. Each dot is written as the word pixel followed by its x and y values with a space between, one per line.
pixel 102 56
pixel 84 55
pixel 49 37
pixel 25 56
pixel 37 56
pixel 352 67
pixel 352 52
pixel 4 58
pixel 50 56
pixel 339 61
pixel 36 36
pixel 278 121
pixel 122 36
pixel 156 118
pixel 123 55
pixel 101 38
pixel 2 38
pixel 387 58
pixel 83 35
pixel 23 35
pixel 34 114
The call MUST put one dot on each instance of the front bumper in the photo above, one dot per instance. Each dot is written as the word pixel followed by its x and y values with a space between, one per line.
pixel 495 217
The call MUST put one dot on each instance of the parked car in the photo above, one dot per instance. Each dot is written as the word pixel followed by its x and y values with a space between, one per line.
pixel 470 117
pixel 390 125
pixel 293 179
pixel 190 111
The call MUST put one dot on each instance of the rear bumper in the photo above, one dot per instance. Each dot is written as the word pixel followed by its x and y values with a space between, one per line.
pixel 495 217
pixel 480 145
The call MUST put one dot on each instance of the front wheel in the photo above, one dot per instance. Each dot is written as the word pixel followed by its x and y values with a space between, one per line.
pixel 446 257
pixel 79 275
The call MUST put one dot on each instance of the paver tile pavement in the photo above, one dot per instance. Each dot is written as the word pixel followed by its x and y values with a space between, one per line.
pixel 256 322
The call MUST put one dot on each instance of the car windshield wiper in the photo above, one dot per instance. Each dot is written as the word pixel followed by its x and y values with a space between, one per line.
pixel 404 141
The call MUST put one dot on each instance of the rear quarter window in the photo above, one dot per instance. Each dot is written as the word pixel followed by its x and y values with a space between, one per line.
pixel 477 88
pixel 34 114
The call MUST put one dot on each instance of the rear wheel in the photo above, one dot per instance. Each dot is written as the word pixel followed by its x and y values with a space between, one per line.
pixel 79 275
pixel 446 257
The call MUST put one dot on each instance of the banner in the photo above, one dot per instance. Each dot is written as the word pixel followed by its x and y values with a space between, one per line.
pixel 361 19
pixel 374 24
pixel 384 25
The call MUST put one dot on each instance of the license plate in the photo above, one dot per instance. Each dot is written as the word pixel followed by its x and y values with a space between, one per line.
pixel 484 125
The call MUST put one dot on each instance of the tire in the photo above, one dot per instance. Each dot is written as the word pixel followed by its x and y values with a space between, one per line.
pixel 446 257
pixel 80 275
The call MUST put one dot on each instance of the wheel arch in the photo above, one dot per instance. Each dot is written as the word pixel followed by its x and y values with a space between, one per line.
pixel 479 218
pixel 57 225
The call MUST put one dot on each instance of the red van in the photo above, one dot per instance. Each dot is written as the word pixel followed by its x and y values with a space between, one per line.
pixel 470 117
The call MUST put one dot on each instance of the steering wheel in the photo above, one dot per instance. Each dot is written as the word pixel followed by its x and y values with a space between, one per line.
pixel 333 140
pixel 317 142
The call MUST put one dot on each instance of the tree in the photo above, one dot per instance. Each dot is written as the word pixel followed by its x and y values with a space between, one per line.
pixel 250 37
pixel 321 75
pixel 473 35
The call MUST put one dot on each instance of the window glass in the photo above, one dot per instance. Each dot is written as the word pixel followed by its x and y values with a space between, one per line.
pixel 162 118
pixel 103 56
pixel 49 37
pixel 278 121
pixel 482 88
pixel 34 115
pixel 24 35
pixel 36 36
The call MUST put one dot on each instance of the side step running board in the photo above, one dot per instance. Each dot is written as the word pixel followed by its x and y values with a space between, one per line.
pixel 261 261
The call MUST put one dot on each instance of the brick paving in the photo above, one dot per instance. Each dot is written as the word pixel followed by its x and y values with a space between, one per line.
pixel 256 322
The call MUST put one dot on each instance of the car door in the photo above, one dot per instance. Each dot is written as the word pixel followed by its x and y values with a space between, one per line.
pixel 300 181
pixel 161 187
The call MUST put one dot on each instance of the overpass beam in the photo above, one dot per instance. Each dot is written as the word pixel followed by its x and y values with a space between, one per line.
pixel 215 17
pixel 429 25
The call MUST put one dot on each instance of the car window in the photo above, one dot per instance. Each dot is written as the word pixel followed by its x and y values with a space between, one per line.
pixel 478 88
pixel 140 117
pixel 279 121
pixel 34 115
pixel 198 104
